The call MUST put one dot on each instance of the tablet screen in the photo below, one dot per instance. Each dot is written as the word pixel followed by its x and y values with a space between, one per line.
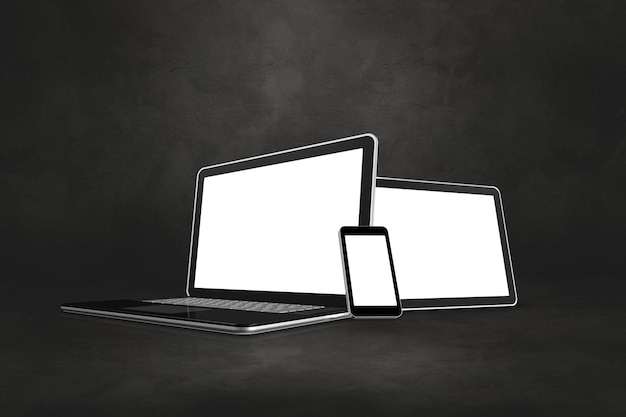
pixel 446 245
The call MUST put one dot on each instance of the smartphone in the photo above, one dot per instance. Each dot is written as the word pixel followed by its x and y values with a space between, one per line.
pixel 371 288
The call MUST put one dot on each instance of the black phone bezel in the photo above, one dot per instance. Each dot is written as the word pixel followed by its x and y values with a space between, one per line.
pixel 368 311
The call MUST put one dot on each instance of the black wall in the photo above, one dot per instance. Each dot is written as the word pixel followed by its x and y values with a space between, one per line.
pixel 108 108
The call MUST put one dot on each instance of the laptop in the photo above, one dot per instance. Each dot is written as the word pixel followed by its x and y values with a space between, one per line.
pixel 449 241
pixel 264 252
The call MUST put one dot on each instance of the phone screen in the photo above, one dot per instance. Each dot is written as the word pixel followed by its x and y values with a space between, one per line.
pixel 370 270
pixel 372 289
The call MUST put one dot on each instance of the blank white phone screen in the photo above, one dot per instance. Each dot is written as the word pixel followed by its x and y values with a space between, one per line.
pixel 370 271
pixel 446 244
pixel 274 228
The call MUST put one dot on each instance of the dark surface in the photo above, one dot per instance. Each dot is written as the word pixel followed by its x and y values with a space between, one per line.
pixel 109 108
pixel 558 353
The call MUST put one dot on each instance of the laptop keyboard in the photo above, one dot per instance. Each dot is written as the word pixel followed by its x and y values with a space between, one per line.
pixel 259 306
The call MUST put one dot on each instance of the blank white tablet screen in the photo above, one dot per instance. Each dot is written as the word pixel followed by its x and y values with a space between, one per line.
pixel 274 228
pixel 445 244
pixel 370 271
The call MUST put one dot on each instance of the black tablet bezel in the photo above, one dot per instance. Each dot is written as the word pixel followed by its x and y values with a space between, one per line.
pixel 367 142
pixel 466 302
pixel 368 311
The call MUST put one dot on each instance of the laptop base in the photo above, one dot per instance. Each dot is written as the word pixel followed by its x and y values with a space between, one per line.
pixel 207 319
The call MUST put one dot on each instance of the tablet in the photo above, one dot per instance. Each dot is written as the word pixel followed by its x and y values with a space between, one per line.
pixel 450 245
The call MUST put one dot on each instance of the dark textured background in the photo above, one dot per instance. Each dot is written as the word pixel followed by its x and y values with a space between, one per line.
pixel 108 108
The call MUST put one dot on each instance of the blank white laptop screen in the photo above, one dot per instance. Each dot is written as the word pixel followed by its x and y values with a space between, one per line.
pixel 445 244
pixel 274 228
pixel 370 271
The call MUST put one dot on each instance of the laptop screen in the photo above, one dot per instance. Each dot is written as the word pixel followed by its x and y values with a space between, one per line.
pixel 445 244
pixel 275 227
